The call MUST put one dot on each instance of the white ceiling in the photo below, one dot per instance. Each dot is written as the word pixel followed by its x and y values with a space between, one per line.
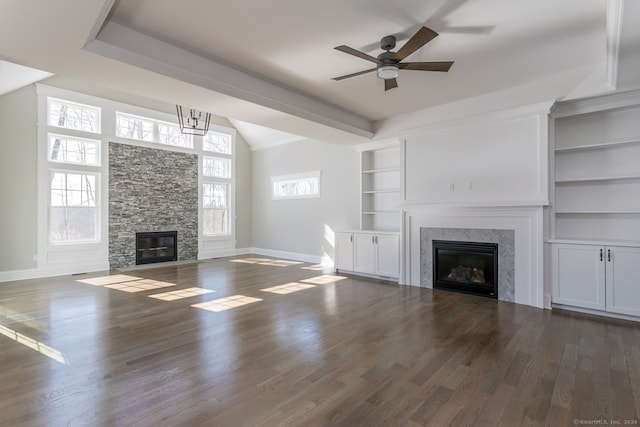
pixel 269 64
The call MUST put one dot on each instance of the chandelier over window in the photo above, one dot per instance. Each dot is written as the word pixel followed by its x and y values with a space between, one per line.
pixel 194 122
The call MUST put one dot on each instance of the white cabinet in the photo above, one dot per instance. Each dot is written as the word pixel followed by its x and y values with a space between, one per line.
pixel 598 277
pixel 578 275
pixel 344 251
pixel 371 253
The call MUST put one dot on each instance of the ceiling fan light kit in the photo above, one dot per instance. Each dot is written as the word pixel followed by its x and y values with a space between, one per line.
pixel 389 63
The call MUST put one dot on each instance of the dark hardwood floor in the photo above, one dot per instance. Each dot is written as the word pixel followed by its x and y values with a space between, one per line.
pixel 318 350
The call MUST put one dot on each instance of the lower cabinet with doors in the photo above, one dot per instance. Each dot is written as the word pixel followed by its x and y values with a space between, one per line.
pixel 369 253
pixel 596 277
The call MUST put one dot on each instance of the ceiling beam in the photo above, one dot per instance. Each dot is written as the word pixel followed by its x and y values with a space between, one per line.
pixel 123 44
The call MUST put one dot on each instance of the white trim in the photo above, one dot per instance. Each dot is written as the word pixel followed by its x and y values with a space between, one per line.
pixel 615 10
pixel 313 259
pixel 39 273
pixel 222 253
pixel 378 145
pixel 598 103
pixel 593 312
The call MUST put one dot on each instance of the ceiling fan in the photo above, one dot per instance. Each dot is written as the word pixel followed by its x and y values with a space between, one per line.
pixel 389 63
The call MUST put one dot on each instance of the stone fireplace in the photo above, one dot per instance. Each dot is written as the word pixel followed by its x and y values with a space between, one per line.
pixel 504 241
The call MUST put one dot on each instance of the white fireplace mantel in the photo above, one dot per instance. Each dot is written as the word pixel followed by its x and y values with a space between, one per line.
pixel 526 221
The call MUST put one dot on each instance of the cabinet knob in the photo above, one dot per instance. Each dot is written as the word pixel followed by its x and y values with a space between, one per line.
pixel 609 255
pixel 600 254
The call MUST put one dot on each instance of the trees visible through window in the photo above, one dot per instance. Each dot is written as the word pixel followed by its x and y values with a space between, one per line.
pixel 150 130
pixel 217 143
pixel 72 215
pixel 66 149
pixel 70 115
pixel 215 209
pixel 296 186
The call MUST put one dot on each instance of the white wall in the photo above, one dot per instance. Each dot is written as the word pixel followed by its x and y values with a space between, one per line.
pixel 304 226
pixel 18 179
pixel 495 159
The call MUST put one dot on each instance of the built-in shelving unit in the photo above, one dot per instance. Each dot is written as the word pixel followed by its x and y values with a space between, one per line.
pixel 597 175
pixel 380 187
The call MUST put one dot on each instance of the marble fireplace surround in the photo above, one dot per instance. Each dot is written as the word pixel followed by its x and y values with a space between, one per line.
pixel 506 253
pixel 526 223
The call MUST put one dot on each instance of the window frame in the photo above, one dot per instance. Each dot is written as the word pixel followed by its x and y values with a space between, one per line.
pixel 296 177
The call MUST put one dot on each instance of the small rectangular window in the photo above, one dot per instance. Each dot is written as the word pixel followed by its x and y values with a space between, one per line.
pixel 169 134
pixel 134 127
pixel 215 207
pixel 72 207
pixel 70 115
pixel 65 149
pixel 296 186
pixel 216 167
pixel 217 143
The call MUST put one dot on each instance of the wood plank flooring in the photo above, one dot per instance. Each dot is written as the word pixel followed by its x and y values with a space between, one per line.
pixel 317 350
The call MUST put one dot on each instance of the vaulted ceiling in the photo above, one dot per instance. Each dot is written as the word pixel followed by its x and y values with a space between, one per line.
pixel 271 63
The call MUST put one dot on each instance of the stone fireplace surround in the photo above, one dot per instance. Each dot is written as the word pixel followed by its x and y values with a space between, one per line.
pixel 526 223
pixel 506 260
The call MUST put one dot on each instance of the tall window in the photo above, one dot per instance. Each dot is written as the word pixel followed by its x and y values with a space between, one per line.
pixel 217 177
pixel 74 171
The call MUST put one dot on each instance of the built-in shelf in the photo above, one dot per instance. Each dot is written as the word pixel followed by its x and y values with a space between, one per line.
pixel 597 179
pixel 600 146
pixel 380 187
pixel 381 170
pixel 578 212
pixel 391 190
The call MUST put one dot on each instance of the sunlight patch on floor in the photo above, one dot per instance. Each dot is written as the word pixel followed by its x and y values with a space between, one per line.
pixel 324 279
pixel 226 303
pixel 140 285
pixel 288 288
pixel 181 294
pixel 109 280
pixel 36 345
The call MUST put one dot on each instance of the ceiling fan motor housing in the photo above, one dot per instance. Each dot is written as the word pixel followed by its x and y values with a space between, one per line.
pixel 388 42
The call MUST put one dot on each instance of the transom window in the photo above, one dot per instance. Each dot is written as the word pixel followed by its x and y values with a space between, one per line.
pixel 296 186
pixel 71 115
pixel 145 129
pixel 217 143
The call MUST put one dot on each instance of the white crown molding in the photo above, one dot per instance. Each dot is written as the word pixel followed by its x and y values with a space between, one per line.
pixel 598 103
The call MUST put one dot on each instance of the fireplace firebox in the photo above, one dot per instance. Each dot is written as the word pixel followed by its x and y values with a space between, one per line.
pixel 157 246
pixel 468 267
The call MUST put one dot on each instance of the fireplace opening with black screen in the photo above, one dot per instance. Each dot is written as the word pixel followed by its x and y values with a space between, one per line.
pixel 157 246
pixel 467 267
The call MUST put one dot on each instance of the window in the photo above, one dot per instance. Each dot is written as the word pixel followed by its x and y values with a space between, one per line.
pixel 217 143
pixel 70 115
pixel 215 209
pixel 66 149
pixel 217 187
pixel 72 214
pixel 150 130
pixel 73 166
pixel 296 186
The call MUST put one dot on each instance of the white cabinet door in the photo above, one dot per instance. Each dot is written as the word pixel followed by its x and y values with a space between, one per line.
pixel 388 260
pixel 578 275
pixel 344 251
pixel 365 253
pixel 623 280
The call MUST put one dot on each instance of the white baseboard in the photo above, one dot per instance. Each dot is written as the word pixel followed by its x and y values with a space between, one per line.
pixel 220 253
pixel 35 273
pixel 313 259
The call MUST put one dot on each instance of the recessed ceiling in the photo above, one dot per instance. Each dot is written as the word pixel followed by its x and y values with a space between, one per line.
pixel 272 63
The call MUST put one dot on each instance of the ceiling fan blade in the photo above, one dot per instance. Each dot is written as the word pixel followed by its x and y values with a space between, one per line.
pixel 353 74
pixel 352 51
pixel 426 66
pixel 390 84
pixel 419 39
